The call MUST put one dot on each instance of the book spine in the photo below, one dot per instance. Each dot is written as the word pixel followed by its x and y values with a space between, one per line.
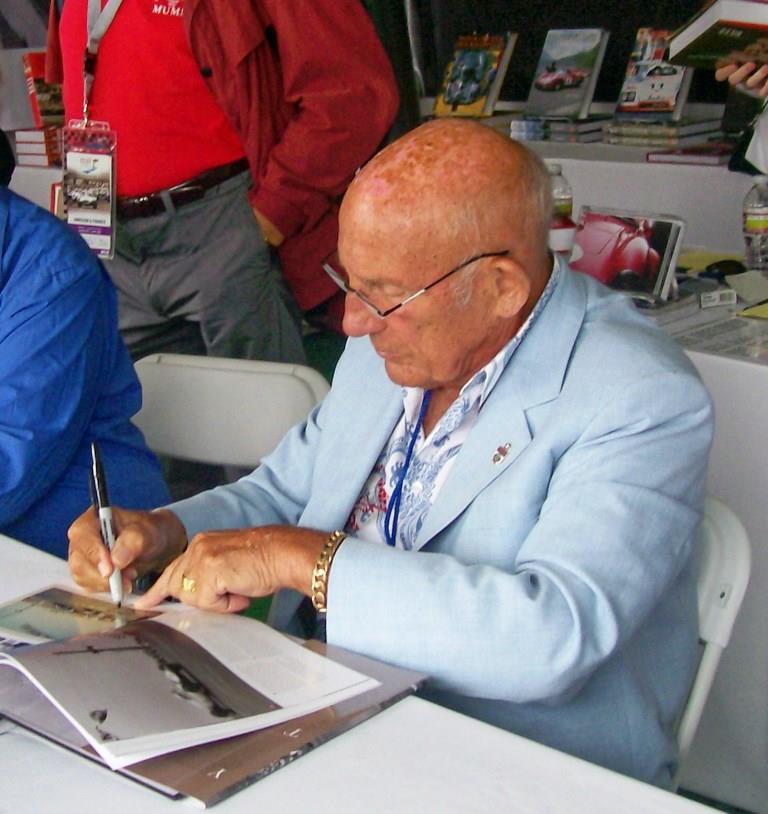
pixel 592 84
pixel 508 45
pixel 29 76
pixel 48 133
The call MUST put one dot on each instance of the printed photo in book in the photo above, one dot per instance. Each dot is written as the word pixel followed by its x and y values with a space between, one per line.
pixel 566 73
pixel 653 88
pixel 721 33
pixel 635 252
pixel 139 688
pixel 474 76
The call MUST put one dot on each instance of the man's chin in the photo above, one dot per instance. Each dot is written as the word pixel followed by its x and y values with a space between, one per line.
pixel 403 374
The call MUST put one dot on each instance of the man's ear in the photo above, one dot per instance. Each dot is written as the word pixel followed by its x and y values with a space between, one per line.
pixel 513 286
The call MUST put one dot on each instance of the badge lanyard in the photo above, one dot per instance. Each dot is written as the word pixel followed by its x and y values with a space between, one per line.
pixel 89 150
pixel 393 506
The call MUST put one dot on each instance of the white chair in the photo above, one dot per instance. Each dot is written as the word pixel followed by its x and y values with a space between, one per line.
pixel 231 412
pixel 724 563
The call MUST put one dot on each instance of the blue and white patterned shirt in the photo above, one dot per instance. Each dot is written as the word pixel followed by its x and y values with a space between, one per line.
pixel 433 456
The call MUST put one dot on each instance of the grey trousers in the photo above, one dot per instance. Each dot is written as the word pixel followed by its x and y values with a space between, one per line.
pixel 201 279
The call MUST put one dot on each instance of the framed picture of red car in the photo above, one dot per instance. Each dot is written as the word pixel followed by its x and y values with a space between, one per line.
pixel 634 252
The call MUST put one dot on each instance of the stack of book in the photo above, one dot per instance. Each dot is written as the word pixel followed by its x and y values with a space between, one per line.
pixel 38 147
pixel 578 130
pixel 671 134
pixel 557 128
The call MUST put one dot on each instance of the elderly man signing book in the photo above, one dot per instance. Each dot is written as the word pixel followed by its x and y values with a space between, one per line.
pixel 501 490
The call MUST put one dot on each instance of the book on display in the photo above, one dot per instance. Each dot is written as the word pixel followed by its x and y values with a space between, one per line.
pixel 683 127
pixel 652 87
pixel 45 98
pixel 566 73
pixel 661 140
pixel 713 154
pixel 473 78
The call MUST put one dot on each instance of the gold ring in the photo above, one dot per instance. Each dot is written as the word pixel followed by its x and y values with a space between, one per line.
pixel 188 584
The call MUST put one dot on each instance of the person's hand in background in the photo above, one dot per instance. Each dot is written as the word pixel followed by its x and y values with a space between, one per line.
pixel 751 77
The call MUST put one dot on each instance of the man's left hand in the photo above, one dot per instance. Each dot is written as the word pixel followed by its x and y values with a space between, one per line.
pixel 271 233
pixel 223 570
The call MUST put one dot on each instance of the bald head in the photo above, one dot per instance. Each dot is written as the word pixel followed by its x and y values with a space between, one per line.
pixel 455 181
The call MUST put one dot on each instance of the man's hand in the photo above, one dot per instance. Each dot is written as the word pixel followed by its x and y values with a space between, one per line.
pixel 146 541
pixel 271 233
pixel 223 570
pixel 753 78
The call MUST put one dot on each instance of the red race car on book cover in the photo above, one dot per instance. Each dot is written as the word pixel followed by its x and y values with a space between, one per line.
pixel 558 78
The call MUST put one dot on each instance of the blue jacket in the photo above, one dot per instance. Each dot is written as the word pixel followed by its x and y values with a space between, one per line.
pixel 65 380
pixel 552 594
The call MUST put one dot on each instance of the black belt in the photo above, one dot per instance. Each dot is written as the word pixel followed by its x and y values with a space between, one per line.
pixel 144 206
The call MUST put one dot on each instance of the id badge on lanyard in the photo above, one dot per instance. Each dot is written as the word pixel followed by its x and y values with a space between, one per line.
pixel 90 150
pixel 88 185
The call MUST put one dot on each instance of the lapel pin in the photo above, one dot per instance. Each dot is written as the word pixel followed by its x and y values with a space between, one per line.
pixel 501 453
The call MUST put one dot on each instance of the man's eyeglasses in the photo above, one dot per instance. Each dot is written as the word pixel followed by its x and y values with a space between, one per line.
pixel 342 281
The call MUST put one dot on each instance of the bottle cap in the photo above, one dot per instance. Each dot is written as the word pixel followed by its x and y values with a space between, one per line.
pixel 554 169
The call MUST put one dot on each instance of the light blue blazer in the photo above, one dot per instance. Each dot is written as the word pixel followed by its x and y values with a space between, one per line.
pixel 552 594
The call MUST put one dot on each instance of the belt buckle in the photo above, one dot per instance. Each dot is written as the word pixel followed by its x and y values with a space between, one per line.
pixel 186 193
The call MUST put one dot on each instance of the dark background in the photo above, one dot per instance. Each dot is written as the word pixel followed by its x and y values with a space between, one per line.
pixel 442 21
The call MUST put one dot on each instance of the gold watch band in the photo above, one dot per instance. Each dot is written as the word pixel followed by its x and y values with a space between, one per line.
pixel 323 568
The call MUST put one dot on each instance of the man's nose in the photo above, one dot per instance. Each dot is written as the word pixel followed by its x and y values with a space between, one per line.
pixel 359 320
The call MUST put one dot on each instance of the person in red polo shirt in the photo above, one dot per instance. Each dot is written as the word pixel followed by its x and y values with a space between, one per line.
pixel 239 125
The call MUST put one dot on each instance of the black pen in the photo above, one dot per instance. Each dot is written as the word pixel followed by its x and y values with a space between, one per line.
pixel 100 499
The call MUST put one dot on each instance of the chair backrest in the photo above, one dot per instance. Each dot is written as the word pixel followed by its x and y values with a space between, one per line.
pixel 222 411
pixel 724 562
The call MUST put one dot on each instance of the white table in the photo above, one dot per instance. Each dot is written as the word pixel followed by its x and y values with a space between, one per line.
pixel 414 757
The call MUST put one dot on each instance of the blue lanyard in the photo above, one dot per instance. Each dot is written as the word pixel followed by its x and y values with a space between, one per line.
pixel 393 506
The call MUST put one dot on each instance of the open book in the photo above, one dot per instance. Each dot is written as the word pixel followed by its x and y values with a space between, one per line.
pixel 132 689
pixel 633 252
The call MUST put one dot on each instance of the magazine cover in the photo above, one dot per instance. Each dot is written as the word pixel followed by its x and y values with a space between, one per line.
pixel 653 88
pixel 566 73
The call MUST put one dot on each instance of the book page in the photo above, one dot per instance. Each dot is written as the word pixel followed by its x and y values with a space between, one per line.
pixel 154 686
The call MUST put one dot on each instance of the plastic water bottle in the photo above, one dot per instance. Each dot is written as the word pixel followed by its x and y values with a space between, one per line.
pixel 755 225
pixel 562 229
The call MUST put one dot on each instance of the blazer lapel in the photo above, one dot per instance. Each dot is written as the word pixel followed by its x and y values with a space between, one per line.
pixel 533 376
pixel 361 426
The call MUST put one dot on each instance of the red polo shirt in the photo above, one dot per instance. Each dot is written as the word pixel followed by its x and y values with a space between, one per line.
pixel 149 88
